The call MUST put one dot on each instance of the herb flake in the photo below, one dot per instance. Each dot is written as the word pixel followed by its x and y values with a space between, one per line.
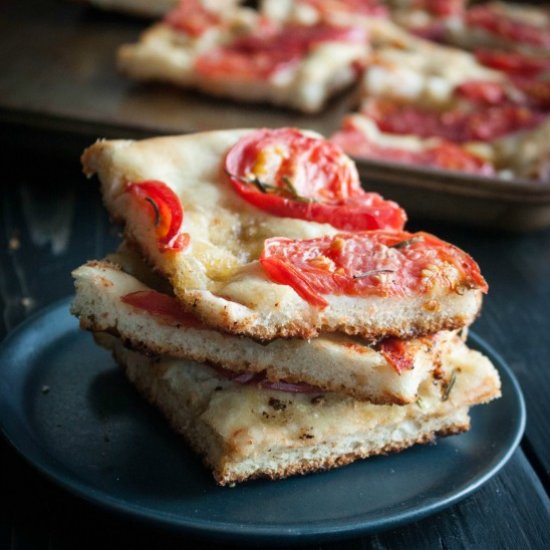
pixel 407 242
pixel 156 209
pixel 449 386
pixel 372 272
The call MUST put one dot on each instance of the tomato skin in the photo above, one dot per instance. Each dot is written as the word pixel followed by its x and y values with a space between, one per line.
pixel 325 182
pixel 165 211
pixel 161 305
pixel 368 263
pixel 512 62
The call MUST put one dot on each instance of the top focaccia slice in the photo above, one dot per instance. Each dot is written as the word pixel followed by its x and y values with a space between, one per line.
pixel 231 274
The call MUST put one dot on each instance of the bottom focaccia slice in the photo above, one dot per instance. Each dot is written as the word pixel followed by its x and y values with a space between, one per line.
pixel 243 432
pixel 110 300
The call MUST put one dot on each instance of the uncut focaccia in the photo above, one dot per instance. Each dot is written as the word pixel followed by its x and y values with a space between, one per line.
pixel 243 432
pixel 241 55
pixel 108 299
pixel 218 275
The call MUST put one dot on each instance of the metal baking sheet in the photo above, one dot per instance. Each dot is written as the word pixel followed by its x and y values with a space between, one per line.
pixel 59 75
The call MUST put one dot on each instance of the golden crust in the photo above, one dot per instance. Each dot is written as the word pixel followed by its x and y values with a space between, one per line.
pixel 224 477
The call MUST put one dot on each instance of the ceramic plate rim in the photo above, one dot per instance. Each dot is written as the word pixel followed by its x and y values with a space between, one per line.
pixel 229 531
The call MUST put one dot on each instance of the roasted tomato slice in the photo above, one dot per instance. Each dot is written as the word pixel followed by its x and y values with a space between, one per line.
pixel 260 55
pixel 161 306
pixel 369 263
pixel 287 173
pixel 165 211
pixel 491 18
pixel 191 17
pixel 513 62
pixel 476 123
pixel 444 155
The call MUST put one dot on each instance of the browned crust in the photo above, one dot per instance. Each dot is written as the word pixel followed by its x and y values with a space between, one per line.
pixel 310 466
pixel 304 330
pixel 224 476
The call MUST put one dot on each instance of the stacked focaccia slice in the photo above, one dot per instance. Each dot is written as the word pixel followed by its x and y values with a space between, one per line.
pixel 289 324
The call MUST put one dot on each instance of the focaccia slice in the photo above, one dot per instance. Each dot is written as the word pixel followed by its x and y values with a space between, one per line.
pixel 516 27
pixel 230 271
pixel 108 299
pixel 241 55
pixel 243 432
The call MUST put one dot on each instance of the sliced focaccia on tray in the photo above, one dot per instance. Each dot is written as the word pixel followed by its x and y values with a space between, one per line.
pixel 239 54
pixel 243 431
pixel 110 300
pixel 447 110
pixel 266 233
pixel 516 27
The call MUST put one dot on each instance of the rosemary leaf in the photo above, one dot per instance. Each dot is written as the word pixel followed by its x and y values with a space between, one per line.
pixel 155 208
pixel 449 386
pixel 408 242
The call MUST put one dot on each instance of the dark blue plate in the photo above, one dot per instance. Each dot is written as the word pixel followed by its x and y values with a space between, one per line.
pixel 70 412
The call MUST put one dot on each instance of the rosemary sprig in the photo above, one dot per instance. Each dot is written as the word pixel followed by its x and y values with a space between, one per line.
pixel 408 242
pixel 449 386
pixel 155 208
pixel 288 191
pixel 373 272
pixel 419 402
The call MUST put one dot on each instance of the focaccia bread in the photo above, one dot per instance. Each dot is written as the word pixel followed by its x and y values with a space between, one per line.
pixel 243 432
pixel 108 299
pixel 518 27
pixel 239 54
pixel 444 109
pixel 245 271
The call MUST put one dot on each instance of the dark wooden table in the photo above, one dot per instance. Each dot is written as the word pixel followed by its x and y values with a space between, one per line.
pixel 52 220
